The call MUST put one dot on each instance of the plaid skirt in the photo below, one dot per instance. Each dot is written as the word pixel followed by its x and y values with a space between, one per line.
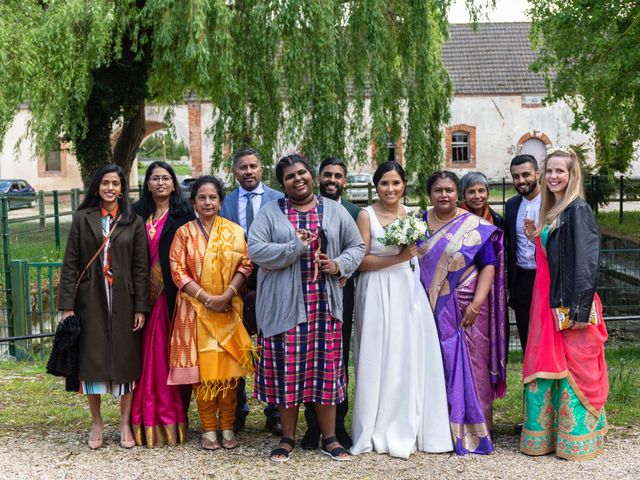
pixel 302 365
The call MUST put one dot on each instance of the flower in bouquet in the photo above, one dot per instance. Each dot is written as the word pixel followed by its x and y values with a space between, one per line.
pixel 405 231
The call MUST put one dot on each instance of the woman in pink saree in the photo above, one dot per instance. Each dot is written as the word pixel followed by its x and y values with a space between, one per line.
pixel 158 415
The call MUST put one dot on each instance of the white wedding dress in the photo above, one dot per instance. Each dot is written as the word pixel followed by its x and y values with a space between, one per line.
pixel 400 403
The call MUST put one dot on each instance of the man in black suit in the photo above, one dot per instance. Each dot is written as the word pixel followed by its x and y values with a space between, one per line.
pixel 521 259
pixel 332 178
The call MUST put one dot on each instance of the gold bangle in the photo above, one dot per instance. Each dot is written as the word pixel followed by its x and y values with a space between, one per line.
pixel 197 295
pixel 473 309
pixel 235 290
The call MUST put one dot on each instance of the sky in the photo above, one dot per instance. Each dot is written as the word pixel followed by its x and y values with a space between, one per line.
pixel 505 11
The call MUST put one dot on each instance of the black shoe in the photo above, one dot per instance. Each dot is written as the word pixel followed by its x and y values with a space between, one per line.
pixel 274 426
pixel 238 425
pixel 518 428
pixel 311 439
pixel 343 437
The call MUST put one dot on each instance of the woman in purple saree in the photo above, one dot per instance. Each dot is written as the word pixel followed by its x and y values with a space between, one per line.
pixel 462 271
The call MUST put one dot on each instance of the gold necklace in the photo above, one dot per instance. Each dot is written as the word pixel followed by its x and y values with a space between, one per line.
pixel 153 224
pixel 444 221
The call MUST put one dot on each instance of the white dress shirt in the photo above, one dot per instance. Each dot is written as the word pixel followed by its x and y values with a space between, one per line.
pixel 525 249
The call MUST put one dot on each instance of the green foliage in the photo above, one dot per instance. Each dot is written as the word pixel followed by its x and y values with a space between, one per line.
pixel 609 223
pixel 588 51
pixel 152 148
pixel 330 77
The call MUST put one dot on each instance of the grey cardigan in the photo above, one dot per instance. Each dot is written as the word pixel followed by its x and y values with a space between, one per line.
pixel 274 246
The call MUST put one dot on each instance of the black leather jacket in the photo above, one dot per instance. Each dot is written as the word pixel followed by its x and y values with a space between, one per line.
pixel 573 251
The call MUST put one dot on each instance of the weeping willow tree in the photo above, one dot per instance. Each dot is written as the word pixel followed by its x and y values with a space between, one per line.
pixel 330 76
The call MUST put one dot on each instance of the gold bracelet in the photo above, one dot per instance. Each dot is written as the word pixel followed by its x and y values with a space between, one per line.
pixel 197 295
pixel 473 309
pixel 235 290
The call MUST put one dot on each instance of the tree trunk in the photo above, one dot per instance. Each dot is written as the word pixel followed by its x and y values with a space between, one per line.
pixel 128 142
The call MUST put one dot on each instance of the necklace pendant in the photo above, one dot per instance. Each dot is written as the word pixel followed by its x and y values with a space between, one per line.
pixel 152 231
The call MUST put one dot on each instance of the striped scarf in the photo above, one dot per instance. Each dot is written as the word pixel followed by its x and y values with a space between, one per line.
pixel 107 219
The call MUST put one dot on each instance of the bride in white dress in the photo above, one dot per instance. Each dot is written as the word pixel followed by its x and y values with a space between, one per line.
pixel 400 403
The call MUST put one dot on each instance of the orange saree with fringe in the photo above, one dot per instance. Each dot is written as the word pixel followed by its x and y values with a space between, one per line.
pixel 209 348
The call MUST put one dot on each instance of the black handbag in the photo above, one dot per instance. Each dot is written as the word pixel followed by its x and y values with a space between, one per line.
pixel 63 360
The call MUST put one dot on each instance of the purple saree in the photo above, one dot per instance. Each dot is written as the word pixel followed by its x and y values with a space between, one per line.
pixel 475 357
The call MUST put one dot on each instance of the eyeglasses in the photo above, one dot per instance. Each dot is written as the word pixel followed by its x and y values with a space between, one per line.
pixel 165 179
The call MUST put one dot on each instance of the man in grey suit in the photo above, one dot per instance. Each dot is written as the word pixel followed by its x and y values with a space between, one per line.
pixel 241 206
pixel 332 178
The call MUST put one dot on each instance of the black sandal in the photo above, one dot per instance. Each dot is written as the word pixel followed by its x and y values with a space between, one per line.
pixel 335 452
pixel 283 451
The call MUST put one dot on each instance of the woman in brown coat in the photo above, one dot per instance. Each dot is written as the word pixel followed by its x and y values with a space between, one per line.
pixel 112 297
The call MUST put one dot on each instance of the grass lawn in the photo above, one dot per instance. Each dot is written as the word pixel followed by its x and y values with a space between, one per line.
pixel 181 171
pixel 27 241
pixel 32 400
pixel 629 228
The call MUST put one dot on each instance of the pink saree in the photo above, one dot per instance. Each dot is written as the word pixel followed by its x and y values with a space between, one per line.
pixel 157 415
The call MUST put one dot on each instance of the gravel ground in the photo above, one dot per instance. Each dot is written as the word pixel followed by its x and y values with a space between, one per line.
pixel 65 456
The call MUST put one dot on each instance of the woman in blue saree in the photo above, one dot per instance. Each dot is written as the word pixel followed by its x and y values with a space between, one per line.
pixel 462 270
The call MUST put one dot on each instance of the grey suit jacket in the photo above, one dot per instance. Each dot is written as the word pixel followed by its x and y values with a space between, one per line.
pixel 231 204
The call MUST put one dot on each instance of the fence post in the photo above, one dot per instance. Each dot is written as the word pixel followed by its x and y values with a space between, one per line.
pixel 621 196
pixel 41 209
pixel 596 179
pixel 74 199
pixel 6 267
pixel 504 194
pixel 56 218
pixel 19 297
pixel 370 192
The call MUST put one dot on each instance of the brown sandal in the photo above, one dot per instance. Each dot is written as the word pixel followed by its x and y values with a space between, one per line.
pixel 212 438
pixel 229 440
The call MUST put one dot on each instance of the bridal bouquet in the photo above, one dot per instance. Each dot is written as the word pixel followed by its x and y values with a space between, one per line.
pixel 405 231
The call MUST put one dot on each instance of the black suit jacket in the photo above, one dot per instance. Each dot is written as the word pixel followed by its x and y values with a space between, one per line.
pixel 353 209
pixel 510 217
pixel 171 226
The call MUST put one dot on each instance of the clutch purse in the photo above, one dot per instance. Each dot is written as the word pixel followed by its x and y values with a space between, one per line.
pixel 562 319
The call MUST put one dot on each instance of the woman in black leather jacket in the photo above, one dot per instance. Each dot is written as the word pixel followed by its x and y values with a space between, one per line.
pixel 565 373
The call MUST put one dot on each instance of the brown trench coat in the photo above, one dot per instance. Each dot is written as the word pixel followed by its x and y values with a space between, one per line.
pixel 108 347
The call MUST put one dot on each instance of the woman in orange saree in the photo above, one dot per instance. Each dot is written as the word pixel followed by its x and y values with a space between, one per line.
pixel 210 347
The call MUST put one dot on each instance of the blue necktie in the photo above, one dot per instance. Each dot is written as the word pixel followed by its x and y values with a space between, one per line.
pixel 249 211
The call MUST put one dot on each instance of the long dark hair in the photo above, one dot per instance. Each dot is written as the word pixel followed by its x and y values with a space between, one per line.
pixel 389 166
pixel 289 161
pixel 178 206
pixel 92 199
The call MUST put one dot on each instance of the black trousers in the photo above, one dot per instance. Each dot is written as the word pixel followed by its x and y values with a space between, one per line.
pixel 347 327
pixel 521 301
pixel 242 407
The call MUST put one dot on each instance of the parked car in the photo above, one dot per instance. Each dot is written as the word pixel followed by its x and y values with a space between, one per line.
pixel 19 192
pixel 185 186
pixel 361 181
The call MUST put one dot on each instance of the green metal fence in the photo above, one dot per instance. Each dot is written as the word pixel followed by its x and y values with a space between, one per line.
pixel 32 242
